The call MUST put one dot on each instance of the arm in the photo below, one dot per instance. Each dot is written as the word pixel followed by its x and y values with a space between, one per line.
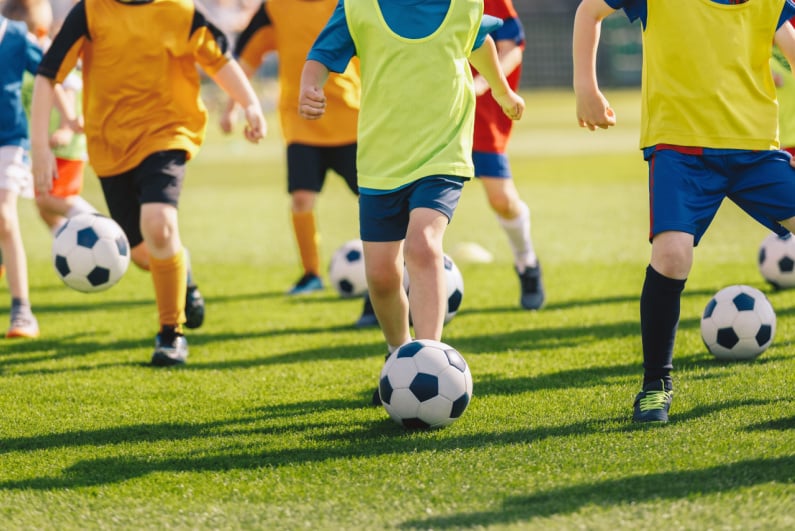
pixel 229 114
pixel 312 100
pixel 41 157
pixel 593 109
pixel 487 63
pixel 234 82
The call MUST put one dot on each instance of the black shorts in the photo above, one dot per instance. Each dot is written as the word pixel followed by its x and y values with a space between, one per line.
pixel 307 166
pixel 157 179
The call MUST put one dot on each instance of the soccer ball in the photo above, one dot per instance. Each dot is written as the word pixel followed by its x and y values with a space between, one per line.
pixel 738 323
pixel 346 270
pixel 455 287
pixel 777 260
pixel 90 252
pixel 425 384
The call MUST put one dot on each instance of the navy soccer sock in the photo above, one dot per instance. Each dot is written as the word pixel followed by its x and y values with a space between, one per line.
pixel 659 320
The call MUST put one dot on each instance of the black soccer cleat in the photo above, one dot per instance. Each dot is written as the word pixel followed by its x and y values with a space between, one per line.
pixel 194 308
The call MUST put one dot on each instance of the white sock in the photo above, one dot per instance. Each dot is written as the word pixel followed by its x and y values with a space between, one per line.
pixel 518 232
pixel 80 206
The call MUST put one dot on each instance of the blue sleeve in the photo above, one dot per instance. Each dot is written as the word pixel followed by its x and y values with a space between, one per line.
pixel 511 30
pixel 33 56
pixel 487 25
pixel 787 12
pixel 334 46
pixel 633 9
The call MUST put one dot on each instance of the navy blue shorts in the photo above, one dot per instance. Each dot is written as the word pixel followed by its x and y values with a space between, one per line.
pixel 157 179
pixel 686 189
pixel 491 164
pixel 384 217
pixel 307 166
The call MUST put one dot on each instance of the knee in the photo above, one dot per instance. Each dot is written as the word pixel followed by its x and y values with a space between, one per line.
pixel 503 205
pixel 421 253
pixel 159 227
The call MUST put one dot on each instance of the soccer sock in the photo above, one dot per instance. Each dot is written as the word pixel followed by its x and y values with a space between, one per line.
pixel 80 206
pixel 308 238
pixel 659 320
pixel 188 268
pixel 169 278
pixel 518 231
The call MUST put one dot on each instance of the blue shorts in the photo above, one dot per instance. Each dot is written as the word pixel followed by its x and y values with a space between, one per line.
pixel 687 188
pixel 491 164
pixel 384 217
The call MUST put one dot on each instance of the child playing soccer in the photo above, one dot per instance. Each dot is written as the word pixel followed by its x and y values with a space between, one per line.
pixel 144 120
pixel 492 168
pixel 708 131
pixel 289 27
pixel 415 138
pixel 18 53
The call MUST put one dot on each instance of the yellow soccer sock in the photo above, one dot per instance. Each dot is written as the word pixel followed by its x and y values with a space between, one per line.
pixel 308 239
pixel 169 278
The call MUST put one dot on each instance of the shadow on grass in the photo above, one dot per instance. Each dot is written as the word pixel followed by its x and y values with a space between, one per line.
pixel 673 485
pixel 332 440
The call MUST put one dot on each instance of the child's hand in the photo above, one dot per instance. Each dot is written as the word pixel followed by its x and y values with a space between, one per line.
pixel 312 103
pixel 43 168
pixel 593 111
pixel 256 127
pixel 512 104
pixel 61 137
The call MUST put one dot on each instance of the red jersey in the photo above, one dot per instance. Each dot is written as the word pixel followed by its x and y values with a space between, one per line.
pixel 492 127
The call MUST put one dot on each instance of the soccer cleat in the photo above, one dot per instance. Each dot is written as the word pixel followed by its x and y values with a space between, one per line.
pixel 167 354
pixel 368 317
pixel 23 324
pixel 307 284
pixel 652 404
pixel 532 297
pixel 194 308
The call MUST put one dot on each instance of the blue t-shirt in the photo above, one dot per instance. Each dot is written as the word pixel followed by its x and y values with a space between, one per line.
pixel 18 53
pixel 636 9
pixel 334 46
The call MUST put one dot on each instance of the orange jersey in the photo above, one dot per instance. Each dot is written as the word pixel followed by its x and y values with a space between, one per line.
pixel 140 81
pixel 289 28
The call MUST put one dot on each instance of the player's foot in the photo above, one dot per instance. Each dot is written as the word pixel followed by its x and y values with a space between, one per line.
pixel 194 308
pixel 170 353
pixel 368 317
pixel 307 284
pixel 532 297
pixel 23 324
pixel 652 403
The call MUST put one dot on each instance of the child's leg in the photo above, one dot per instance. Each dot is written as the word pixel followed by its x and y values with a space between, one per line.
pixel 424 258
pixel 384 267
pixel 671 260
pixel 513 215
pixel 159 226
pixel 12 247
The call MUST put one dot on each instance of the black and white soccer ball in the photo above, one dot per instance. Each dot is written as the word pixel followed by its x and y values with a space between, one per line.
pixel 738 323
pixel 90 252
pixel 454 282
pixel 346 270
pixel 425 384
pixel 777 260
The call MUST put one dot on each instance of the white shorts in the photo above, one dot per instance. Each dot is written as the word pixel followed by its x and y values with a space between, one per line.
pixel 15 173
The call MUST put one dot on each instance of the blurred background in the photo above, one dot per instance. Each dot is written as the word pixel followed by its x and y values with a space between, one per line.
pixel 548 27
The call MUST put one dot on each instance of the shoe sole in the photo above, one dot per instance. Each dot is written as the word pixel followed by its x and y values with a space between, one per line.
pixel 18 334
pixel 161 360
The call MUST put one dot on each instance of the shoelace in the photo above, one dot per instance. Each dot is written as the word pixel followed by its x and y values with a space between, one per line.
pixel 654 400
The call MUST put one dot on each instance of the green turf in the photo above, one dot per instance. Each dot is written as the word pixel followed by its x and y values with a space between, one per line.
pixel 268 425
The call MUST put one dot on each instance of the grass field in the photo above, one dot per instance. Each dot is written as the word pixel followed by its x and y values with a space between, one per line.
pixel 268 426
